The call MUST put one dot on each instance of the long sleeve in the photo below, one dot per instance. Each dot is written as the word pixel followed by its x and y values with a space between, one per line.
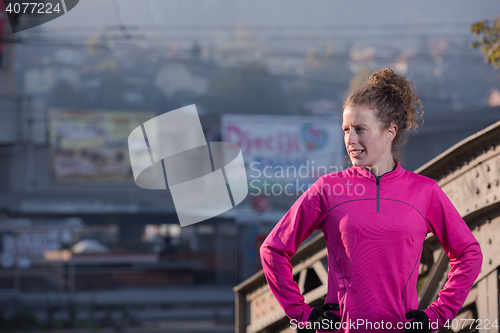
pixel 305 216
pixel 466 258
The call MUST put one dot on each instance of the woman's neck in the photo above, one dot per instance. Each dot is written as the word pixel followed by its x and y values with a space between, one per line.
pixel 378 170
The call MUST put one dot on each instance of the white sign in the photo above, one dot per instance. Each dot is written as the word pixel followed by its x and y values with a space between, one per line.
pixel 31 242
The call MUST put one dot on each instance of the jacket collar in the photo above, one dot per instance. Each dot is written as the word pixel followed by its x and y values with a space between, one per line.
pixel 389 175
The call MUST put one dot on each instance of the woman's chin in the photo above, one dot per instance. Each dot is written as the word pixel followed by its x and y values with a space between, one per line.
pixel 357 162
pixel 360 164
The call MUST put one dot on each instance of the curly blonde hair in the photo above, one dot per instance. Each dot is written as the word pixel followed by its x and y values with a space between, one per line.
pixel 393 98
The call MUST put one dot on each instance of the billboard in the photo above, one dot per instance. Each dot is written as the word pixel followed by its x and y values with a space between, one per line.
pixel 286 149
pixel 91 145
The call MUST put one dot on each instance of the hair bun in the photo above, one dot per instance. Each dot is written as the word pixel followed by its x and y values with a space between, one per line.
pixel 386 78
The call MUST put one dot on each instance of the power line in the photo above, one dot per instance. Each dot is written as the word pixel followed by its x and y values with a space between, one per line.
pixel 289 35
pixel 194 27
pixel 122 27
pixel 283 39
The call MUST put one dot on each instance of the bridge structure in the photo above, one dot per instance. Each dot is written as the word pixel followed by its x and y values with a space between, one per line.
pixel 469 174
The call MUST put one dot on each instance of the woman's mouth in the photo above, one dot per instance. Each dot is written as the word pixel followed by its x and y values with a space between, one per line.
pixel 355 152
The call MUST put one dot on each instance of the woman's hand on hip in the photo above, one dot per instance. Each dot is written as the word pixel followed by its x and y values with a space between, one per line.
pixel 321 313
pixel 420 317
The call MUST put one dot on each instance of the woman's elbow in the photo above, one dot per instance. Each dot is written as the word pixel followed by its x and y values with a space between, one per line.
pixel 263 250
pixel 475 257
pixel 472 254
pixel 479 256
pixel 268 250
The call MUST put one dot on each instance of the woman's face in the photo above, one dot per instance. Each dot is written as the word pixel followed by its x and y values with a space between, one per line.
pixel 365 143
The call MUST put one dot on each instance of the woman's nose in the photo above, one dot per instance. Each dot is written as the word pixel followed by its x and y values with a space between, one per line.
pixel 351 137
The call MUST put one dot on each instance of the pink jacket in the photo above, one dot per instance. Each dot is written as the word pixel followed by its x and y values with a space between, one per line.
pixel 374 229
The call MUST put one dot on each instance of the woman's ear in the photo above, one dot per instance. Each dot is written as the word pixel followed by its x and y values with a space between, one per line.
pixel 391 132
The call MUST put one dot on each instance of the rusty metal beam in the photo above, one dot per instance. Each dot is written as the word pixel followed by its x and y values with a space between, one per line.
pixel 487 303
pixel 462 152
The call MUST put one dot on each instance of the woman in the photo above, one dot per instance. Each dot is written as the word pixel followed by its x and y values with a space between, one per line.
pixel 375 217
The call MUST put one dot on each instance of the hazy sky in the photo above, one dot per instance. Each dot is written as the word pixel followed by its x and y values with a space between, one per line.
pixel 276 12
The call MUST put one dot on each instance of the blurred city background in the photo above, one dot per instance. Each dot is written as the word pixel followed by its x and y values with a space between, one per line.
pixel 83 247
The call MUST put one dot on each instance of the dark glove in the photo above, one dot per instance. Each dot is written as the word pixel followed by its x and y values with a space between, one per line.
pixel 321 312
pixel 420 317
